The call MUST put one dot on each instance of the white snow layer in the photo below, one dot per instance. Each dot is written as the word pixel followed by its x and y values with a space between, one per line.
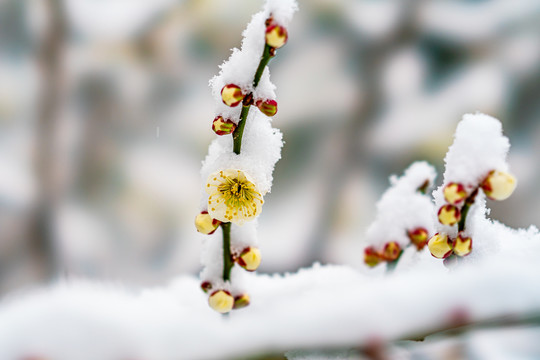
pixel 323 306
pixel 402 207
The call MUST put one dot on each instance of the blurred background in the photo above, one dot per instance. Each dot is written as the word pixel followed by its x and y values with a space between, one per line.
pixel 105 117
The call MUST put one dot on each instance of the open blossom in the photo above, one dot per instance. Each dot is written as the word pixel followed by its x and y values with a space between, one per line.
pixel 234 197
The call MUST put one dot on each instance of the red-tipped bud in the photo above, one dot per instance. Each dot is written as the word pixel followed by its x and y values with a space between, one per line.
pixel 276 36
pixel 250 258
pixel 205 224
pixel 232 95
pixel 241 301
pixel 371 256
pixel 391 251
pixel 449 215
pixel 222 126
pixel 206 286
pixel 440 246
pixel 418 237
pixel 454 193
pixel 499 185
pixel 462 245
pixel 221 301
pixel 268 107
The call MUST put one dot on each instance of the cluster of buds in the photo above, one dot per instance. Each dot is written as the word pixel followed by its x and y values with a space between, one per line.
pixel 497 185
pixel 389 253
pixel 441 246
pixel 222 300
pixel 232 95
pixel 403 217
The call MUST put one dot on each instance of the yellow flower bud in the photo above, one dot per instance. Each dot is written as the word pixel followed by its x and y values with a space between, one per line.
pixel 391 251
pixel 221 301
pixel 206 286
pixel 222 126
pixel 276 36
pixel 241 301
pixel 499 185
pixel 454 193
pixel 231 95
pixel 250 259
pixel 449 215
pixel 462 245
pixel 268 107
pixel 418 237
pixel 439 246
pixel 205 224
pixel 372 257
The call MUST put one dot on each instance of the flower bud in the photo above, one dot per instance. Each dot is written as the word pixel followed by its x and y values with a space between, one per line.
pixel 439 246
pixel 462 245
pixel 206 286
pixel 250 258
pixel 205 224
pixel 418 237
pixel 499 185
pixel 371 257
pixel 391 251
pixel 222 126
pixel 449 215
pixel 268 107
pixel 454 193
pixel 276 36
pixel 241 301
pixel 231 95
pixel 221 301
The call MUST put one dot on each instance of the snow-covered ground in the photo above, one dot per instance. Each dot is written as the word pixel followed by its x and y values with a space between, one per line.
pixel 320 307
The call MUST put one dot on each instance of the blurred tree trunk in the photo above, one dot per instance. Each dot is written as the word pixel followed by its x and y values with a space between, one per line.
pixel 46 166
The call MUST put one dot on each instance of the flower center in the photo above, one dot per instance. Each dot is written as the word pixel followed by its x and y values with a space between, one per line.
pixel 236 192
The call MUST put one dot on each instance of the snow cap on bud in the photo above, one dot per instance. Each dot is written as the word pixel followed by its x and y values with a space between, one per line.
pixel 418 237
pixel 241 301
pixel 449 215
pixel 206 286
pixel 250 258
pixel 454 193
pixel 222 126
pixel 205 224
pixel 391 251
pixel 462 245
pixel 231 95
pixel 267 107
pixel 372 256
pixel 221 301
pixel 439 246
pixel 276 36
pixel 499 185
